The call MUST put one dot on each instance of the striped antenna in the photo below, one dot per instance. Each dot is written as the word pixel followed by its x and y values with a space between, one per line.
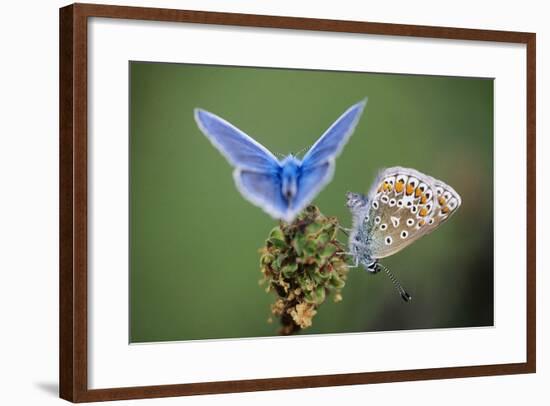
pixel 302 150
pixel 404 295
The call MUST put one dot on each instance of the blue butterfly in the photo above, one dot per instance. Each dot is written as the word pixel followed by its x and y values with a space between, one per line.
pixel 282 188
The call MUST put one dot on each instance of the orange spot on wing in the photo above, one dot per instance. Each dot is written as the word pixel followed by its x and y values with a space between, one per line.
pixel 423 199
pixel 399 186
pixel 445 210
pixel 423 212
pixel 442 201
pixel 421 223
pixel 418 192
pixel 409 189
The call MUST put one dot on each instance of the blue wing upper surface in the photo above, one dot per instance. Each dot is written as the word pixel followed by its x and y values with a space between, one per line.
pixel 331 143
pixel 238 148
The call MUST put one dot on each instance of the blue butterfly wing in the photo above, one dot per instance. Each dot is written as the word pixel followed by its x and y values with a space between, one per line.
pixel 317 167
pixel 310 183
pixel 331 143
pixel 238 148
pixel 263 190
pixel 257 170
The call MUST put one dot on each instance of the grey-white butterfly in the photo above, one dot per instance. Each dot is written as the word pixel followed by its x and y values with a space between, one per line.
pixel 401 206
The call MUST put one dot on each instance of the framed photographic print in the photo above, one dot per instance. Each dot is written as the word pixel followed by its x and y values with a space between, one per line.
pixel 256 202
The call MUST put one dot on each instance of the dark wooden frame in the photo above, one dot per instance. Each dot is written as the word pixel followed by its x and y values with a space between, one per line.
pixel 73 360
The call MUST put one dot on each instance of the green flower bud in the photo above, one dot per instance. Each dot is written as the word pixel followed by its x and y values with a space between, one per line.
pixel 302 262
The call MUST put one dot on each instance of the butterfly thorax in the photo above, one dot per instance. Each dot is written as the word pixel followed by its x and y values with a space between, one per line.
pixel 290 169
pixel 360 241
pixel 360 238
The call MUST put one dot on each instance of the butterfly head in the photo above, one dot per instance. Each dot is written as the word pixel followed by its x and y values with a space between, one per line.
pixel 355 200
pixel 289 177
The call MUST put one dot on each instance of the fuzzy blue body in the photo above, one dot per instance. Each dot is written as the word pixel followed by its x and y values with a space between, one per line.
pixel 290 175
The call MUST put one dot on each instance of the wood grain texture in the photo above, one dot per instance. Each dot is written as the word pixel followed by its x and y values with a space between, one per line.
pixel 73 200
pixel 531 173
pixel 73 203
pixel 66 298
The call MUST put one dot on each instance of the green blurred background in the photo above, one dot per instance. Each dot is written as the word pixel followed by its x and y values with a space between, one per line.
pixel 194 262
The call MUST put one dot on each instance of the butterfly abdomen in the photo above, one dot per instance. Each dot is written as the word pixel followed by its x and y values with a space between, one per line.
pixel 360 240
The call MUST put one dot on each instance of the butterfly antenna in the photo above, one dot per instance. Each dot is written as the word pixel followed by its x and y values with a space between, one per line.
pixel 303 150
pixel 404 295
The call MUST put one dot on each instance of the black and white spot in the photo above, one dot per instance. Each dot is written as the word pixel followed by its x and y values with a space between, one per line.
pixel 413 182
pixel 395 221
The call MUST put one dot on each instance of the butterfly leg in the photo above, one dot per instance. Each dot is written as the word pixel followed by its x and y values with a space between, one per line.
pixel 355 259
pixel 354 265
pixel 345 230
